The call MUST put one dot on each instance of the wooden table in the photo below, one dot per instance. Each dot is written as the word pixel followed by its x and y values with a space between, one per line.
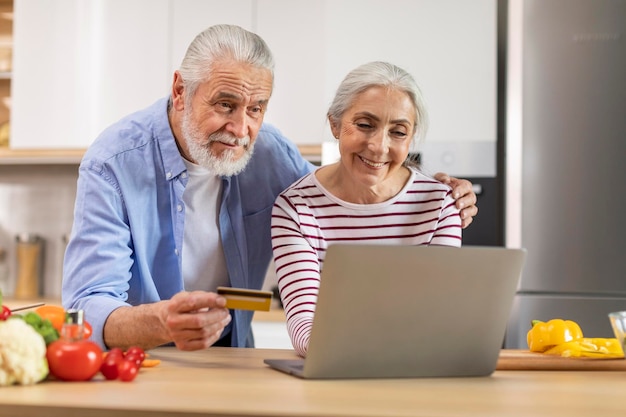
pixel 235 382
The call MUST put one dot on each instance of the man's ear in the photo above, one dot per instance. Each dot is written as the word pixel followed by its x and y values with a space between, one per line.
pixel 178 92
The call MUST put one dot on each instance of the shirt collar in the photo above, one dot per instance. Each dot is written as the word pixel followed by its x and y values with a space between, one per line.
pixel 172 160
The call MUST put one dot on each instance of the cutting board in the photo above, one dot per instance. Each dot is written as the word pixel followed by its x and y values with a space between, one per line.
pixel 524 360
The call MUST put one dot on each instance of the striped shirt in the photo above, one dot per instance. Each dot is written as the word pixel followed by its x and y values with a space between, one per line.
pixel 306 219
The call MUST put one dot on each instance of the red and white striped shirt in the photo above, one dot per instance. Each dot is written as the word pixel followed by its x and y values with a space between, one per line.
pixel 306 219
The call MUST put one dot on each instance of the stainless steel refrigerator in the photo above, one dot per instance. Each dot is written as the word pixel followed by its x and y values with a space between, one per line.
pixel 566 161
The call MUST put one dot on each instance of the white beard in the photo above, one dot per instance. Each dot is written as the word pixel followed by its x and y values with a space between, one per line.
pixel 200 151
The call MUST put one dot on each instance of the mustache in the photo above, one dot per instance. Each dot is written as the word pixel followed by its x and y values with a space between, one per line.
pixel 229 139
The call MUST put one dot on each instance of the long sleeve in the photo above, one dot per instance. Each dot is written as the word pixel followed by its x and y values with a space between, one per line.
pixel 298 272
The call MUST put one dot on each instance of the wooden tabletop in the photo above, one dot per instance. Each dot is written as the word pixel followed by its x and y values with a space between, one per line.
pixel 235 382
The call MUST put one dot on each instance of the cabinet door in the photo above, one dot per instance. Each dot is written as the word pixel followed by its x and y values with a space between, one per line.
pixel 448 45
pixel 81 65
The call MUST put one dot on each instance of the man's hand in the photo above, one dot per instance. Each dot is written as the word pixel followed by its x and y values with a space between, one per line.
pixel 195 320
pixel 463 194
pixel 192 320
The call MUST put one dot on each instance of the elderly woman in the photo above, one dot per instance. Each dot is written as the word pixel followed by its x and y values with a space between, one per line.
pixel 373 194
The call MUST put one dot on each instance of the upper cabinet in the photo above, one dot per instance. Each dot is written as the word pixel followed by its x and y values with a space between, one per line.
pixel 449 46
pixel 80 65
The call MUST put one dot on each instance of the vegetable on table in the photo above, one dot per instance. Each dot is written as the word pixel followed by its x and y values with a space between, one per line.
pixel 72 357
pixel 74 360
pixel 544 335
pixel 125 366
pixel 5 312
pixel 565 338
pixel 43 326
pixel 588 347
pixel 54 313
pixel 22 354
pixel 52 341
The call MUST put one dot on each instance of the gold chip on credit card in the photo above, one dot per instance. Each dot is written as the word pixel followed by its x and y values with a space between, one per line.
pixel 245 299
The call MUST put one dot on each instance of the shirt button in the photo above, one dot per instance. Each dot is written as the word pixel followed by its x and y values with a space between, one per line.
pixel 176 251
pixel 179 208
pixel 168 175
pixel 184 175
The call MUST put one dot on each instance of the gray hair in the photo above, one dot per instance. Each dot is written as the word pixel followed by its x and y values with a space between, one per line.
pixel 379 74
pixel 222 42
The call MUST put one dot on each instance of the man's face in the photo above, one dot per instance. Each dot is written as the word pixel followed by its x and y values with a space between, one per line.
pixel 222 120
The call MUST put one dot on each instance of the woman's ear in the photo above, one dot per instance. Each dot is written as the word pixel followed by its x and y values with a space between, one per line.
pixel 334 127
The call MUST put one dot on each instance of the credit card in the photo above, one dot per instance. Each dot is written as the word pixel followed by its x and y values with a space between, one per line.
pixel 245 299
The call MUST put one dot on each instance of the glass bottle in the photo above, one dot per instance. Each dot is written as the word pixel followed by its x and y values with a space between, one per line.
pixel 74 327
pixel 29 252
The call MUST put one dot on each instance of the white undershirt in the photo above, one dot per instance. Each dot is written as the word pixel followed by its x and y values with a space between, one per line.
pixel 203 263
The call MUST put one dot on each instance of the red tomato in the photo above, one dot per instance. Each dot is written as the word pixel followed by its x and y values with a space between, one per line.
pixel 5 312
pixel 134 358
pixel 109 367
pixel 136 351
pixel 110 363
pixel 117 353
pixel 127 370
pixel 74 361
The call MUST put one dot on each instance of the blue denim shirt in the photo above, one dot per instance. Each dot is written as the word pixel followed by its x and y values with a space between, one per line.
pixel 127 237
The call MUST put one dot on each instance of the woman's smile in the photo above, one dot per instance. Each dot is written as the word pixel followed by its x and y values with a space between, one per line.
pixel 372 164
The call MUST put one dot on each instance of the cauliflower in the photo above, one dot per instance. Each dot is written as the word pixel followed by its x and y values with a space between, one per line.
pixel 22 354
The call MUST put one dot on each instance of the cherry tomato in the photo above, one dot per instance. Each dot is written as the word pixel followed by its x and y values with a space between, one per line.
pixel 5 313
pixel 127 370
pixel 122 365
pixel 134 358
pixel 137 351
pixel 74 361
pixel 109 366
pixel 116 352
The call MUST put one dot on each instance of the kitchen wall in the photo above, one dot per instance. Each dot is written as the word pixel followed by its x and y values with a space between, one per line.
pixel 37 199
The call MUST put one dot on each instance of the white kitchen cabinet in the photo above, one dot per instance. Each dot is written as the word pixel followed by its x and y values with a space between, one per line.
pixel 449 46
pixel 80 65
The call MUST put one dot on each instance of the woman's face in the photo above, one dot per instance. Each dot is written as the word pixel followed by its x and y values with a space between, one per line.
pixel 375 135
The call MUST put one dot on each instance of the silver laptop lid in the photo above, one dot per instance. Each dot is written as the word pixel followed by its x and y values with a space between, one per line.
pixel 409 311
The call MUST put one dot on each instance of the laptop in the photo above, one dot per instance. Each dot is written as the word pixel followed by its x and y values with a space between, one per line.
pixel 409 312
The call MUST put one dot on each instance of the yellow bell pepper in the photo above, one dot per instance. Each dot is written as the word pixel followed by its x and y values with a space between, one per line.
pixel 587 347
pixel 545 335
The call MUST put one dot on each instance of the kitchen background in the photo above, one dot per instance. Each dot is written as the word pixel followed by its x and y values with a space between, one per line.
pixel 79 65
pixel 75 66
